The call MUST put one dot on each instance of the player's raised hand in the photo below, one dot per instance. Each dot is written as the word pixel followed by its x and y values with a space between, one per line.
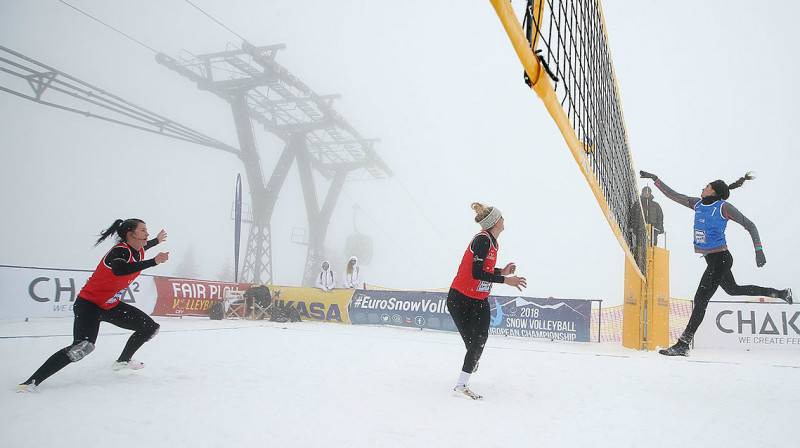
pixel 161 257
pixel 761 259
pixel 646 175
pixel 509 269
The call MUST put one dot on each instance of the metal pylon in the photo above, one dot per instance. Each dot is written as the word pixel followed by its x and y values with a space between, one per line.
pixel 316 136
pixel 258 257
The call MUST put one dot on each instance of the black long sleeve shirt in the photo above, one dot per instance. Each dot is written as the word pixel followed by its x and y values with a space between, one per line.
pixel 117 259
pixel 480 247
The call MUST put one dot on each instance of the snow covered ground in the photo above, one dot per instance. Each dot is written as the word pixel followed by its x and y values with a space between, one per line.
pixel 258 384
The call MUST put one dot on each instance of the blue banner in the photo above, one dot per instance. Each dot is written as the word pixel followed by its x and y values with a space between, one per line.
pixel 554 319
pixel 419 309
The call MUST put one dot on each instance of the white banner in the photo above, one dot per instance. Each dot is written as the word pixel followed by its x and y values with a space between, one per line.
pixel 750 325
pixel 34 292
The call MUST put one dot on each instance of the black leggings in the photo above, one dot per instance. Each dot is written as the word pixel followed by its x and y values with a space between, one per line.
pixel 718 273
pixel 86 327
pixel 471 317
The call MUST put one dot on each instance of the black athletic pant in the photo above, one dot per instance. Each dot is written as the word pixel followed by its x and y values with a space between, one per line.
pixel 86 327
pixel 471 317
pixel 718 274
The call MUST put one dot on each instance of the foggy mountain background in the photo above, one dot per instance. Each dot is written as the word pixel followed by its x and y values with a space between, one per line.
pixel 708 91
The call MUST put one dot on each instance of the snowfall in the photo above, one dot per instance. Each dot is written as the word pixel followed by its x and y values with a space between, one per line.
pixel 241 383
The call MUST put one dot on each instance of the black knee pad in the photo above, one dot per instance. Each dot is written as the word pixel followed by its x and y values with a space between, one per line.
pixel 154 332
pixel 78 351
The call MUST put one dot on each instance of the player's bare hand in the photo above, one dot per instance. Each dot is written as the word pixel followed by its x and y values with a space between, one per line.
pixel 517 282
pixel 161 257
pixel 162 236
pixel 509 269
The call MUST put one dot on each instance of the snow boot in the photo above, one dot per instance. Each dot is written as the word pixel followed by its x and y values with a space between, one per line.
pixel 786 295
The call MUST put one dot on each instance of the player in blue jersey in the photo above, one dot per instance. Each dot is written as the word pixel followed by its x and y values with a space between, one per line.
pixel 711 217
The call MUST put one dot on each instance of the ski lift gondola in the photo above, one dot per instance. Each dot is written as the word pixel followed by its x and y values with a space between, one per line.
pixel 359 244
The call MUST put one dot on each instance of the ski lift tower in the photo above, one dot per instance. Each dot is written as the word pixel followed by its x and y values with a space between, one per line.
pixel 316 137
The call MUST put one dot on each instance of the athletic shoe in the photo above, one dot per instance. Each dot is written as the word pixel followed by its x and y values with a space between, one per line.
pixel 463 391
pixel 26 388
pixel 129 365
pixel 787 295
pixel 679 349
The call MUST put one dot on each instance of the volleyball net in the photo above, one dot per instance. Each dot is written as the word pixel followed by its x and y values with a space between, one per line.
pixel 564 50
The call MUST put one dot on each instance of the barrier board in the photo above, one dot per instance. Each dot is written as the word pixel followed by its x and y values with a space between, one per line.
pixel 37 292
pixel 189 297
pixel 749 326
pixel 421 309
pixel 314 303
pixel 555 319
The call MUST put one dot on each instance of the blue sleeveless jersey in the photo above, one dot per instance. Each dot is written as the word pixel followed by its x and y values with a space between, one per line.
pixel 709 228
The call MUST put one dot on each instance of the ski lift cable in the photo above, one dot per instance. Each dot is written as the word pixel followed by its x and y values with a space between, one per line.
pixel 133 39
pixel 229 29
pixel 425 215
pixel 110 27
pixel 217 21
pixel 421 211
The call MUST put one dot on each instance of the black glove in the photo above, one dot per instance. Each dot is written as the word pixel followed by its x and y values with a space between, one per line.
pixel 646 175
pixel 761 260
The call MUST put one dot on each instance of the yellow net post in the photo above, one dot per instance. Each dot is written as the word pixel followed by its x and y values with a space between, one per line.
pixel 645 321
pixel 657 299
pixel 632 311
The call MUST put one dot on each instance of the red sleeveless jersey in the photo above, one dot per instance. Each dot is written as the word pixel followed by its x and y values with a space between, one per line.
pixel 464 283
pixel 104 289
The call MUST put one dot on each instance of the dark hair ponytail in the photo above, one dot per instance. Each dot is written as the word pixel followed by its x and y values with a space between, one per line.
pixel 121 228
pixel 739 182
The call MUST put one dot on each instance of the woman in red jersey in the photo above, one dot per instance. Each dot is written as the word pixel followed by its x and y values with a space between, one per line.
pixel 466 300
pixel 99 301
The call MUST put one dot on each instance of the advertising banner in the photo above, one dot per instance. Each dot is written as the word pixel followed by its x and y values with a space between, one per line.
pixel 188 297
pixel 35 292
pixel 314 303
pixel 750 326
pixel 555 319
pixel 420 309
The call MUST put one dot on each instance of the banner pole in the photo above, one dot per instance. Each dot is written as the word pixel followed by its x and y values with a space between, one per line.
pixel 237 232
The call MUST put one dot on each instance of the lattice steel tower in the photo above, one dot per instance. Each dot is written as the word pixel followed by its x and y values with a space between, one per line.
pixel 315 135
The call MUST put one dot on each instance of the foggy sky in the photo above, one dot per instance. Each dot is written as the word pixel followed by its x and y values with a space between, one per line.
pixel 708 91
